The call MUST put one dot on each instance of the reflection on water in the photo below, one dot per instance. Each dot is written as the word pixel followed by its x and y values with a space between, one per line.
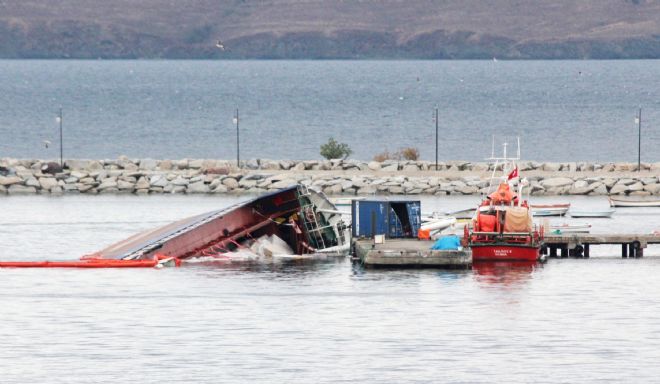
pixel 505 273
pixel 310 321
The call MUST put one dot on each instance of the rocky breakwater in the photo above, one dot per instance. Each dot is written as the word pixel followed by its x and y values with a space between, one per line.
pixel 336 177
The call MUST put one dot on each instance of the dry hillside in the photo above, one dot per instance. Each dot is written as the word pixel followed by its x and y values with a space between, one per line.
pixel 330 29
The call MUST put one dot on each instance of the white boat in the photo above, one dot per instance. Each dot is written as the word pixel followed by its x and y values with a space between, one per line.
pixel 437 224
pixel 570 227
pixel 634 202
pixel 599 213
pixel 550 209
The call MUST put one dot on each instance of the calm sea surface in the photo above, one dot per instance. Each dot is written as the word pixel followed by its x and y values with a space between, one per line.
pixel 567 321
pixel 562 110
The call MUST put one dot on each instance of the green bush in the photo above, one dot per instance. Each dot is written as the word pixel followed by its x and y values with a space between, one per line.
pixel 334 150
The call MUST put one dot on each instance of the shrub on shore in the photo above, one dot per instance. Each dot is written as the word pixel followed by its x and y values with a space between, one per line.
pixel 408 153
pixel 334 150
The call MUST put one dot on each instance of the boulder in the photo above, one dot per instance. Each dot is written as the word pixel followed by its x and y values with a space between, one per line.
pixel 300 166
pixel 32 182
pixel 374 165
pixel 551 167
pixel 47 183
pixel 107 184
pixel 17 189
pixel 198 187
pixel 230 183
pixel 196 164
pixel 151 164
pixel 165 165
pixel 653 188
pixel 618 189
pixel 125 185
pixel 9 180
pixel 220 189
pixel 556 182
pixel 180 181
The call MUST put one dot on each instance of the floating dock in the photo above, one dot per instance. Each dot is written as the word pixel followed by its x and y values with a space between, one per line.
pixel 578 244
pixel 409 253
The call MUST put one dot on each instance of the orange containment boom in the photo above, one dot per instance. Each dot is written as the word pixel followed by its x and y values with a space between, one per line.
pixel 90 263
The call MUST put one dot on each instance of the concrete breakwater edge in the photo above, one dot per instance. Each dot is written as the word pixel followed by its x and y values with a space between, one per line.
pixel 334 177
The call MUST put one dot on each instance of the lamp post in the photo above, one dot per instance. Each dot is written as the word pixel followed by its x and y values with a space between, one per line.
pixel 638 120
pixel 436 138
pixel 59 120
pixel 238 147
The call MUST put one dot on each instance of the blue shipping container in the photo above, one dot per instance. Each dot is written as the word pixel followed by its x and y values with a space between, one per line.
pixel 394 219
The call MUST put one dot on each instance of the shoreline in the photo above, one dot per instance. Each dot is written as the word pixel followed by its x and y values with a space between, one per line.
pixel 333 177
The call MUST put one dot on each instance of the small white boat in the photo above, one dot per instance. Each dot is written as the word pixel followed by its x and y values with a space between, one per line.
pixel 550 209
pixel 570 227
pixel 598 213
pixel 634 201
pixel 438 223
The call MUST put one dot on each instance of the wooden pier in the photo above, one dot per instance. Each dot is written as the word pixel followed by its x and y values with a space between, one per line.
pixel 578 244
pixel 409 253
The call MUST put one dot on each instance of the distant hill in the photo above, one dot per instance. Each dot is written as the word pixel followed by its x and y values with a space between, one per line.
pixel 330 29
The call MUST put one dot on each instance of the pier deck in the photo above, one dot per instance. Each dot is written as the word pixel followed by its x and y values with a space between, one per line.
pixel 578 244
pixel 409 253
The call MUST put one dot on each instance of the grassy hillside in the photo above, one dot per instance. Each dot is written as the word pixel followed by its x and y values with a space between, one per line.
pixel 330 29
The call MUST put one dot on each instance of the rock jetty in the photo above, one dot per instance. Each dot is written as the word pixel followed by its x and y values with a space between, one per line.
pixel 334 177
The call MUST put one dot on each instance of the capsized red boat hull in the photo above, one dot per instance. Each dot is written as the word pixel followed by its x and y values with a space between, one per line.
pixel 504 252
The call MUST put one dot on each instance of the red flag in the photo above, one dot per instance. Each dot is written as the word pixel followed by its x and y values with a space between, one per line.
pixel 513 173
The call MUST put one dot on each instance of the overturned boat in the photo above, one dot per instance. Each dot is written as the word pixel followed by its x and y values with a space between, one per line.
pixel 294 221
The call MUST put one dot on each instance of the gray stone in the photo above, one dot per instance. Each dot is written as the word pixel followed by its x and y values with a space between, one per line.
pixel 556 182
pixel 17 189
pixel 142 191
pixel 47 183
pixel 94 165
pixel 198 187
pixel 299 167
pixel 196 164
pixel 165 165
pixel 390 167
pixel 636 187
pixel 247 183
pixel 618 189
pixel 252 164
pixel 410 168
pixel 180 181
pixel 158 181
pixel 653 188
pixel 333 190
pixel 32 182
pixel 150 164
pixel 230 183
pixel 10 180
pixel 107 184
pixel 286 183
pixel 123 185
pixel 551 167
pixel 56 190
pixel 220 189
pixel 374 165
pixel 142 183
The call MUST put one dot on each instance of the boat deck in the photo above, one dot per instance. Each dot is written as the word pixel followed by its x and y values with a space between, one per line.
pixel 409 253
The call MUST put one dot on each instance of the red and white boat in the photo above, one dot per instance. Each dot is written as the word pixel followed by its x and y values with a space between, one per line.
pixel 502 228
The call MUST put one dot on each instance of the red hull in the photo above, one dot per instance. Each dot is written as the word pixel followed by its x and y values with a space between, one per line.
pixel 498 252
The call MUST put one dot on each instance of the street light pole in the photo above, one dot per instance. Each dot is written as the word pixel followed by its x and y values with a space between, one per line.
pixel 238 147
pixel 61 141
pixel 436 138
pixel 639 141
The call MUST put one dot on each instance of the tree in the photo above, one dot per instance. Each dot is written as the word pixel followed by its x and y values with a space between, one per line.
pixel 334 150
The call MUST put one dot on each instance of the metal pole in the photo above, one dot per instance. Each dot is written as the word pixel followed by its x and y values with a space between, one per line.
pixel 436 138
pixel 639 141
pixel 238 150
pixel 61 141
